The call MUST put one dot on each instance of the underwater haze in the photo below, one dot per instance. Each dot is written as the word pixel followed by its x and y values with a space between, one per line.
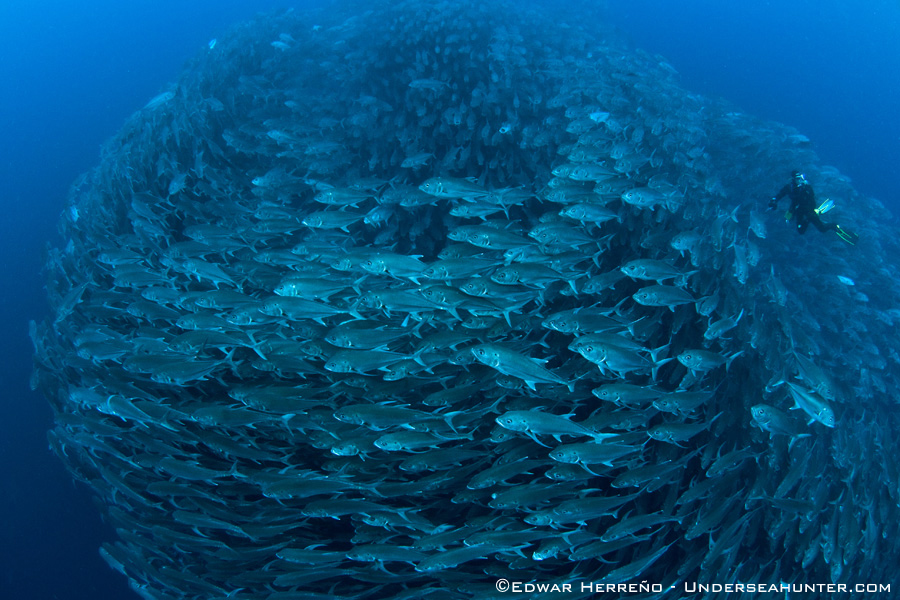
pixel 76 73
pixel 73 73
pixel 825 68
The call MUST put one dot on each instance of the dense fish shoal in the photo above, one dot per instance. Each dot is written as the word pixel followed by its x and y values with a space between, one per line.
pixel 399 300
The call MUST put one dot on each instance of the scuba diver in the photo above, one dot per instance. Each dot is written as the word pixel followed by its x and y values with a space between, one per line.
pixel 803 208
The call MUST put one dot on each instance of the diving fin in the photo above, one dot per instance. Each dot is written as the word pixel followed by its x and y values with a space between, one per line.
pixel 825 207
pixel 848 236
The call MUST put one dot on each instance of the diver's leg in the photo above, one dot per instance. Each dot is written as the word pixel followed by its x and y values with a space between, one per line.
pixel 821 225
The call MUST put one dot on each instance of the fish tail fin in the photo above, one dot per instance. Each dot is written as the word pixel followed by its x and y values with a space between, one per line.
pixel 255 346
pixel 448 419
pixel 655 370
pixel 654 354
pixel 417 357
pixel 797 437
pixel 729 359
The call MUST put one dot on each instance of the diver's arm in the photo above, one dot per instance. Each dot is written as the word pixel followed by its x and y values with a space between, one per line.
pixel 773 203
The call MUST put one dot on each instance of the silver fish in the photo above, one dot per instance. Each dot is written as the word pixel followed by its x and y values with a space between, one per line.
pixel 512 363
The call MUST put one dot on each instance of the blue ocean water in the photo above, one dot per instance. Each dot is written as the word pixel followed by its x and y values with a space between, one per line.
pixel 828 68
pixel 74 73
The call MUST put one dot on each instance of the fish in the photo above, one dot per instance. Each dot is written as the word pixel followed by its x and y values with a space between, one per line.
pixel 590 213
pixel 394 265
pixel 509 362
pixel 488 238
pixel 663 295
pixel 296 309
pixel 582 320
pixel 776 421
pixel 457 268
pixel 687 241
pixel 205 271
pixel 815 406
pixel 427 84
pixel 579 510
pixel 362 361
pixel 678 432
pixel 681 403
pixel 332 219
pixel 417 160
pixel 717 328
pixel 631 525
pixel 815 377
pixel 499 473
pixel 653 270
pixel 341 197
pixel 741 266
pixel 730 462
pixel 534 423
pixel 454 557
pixel 627 394
pixel 616 358
pixel 635 568
pixel 363 335
pixel 757 225
pixel 700 361
pixel 409 441
pixel 378 417
pixel 399 302
pixel 453 188
pixel 643 198
pixel 532 275
pixel 591 453
pixel 310 287
pixel 159 100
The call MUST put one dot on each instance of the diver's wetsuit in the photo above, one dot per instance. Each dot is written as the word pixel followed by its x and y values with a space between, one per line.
pixel 803 206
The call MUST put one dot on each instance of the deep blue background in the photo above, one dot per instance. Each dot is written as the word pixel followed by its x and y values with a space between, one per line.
pixel 830 68
pixel 72 73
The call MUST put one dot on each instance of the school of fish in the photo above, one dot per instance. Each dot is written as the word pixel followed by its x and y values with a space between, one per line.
pixel 397 299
